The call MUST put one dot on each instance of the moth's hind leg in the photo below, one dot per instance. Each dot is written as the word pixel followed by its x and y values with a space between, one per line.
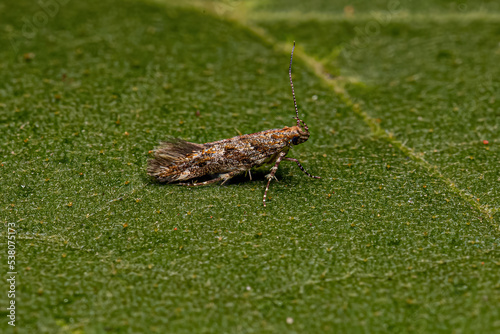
pixel 302 168
pixel 229 175
pixel 217 179
pixel 221 177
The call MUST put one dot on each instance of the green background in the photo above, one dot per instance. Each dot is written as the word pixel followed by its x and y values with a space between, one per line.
pixel 400 234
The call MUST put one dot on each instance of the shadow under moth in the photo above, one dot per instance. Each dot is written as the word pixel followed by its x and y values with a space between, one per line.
pixel 176 160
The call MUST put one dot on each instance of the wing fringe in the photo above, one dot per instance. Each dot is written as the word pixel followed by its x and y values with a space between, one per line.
pixel 164 166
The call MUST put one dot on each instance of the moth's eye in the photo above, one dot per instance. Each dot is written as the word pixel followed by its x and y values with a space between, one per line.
pixel 295 140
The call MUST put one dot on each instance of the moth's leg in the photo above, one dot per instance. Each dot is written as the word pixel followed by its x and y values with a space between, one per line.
pixel 302 168
pixel 222 177
pixel 217 179
pixel 271 176
pixel 249 174
pixel 229 175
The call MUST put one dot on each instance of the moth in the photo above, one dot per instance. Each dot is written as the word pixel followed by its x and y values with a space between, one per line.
pixel 177 160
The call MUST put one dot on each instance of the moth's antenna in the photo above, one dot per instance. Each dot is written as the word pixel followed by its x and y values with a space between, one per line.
pixel 293 91
pixel 291 84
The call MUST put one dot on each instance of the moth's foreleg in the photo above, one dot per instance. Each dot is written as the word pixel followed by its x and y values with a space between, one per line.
pixel 302 168
pixel 271 176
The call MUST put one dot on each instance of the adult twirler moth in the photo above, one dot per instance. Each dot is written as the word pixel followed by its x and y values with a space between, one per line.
pixel 177 160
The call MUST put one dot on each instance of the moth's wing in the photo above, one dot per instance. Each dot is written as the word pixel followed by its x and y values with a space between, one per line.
pixel 251 151
pixel 168 156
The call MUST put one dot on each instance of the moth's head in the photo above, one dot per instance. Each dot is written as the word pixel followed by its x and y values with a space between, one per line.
pixel 299 134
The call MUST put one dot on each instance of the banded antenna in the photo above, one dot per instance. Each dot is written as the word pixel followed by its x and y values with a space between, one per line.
pixel 293 92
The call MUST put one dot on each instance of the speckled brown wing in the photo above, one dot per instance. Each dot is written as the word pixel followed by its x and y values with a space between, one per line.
pixel 247 151
pixel 178 160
